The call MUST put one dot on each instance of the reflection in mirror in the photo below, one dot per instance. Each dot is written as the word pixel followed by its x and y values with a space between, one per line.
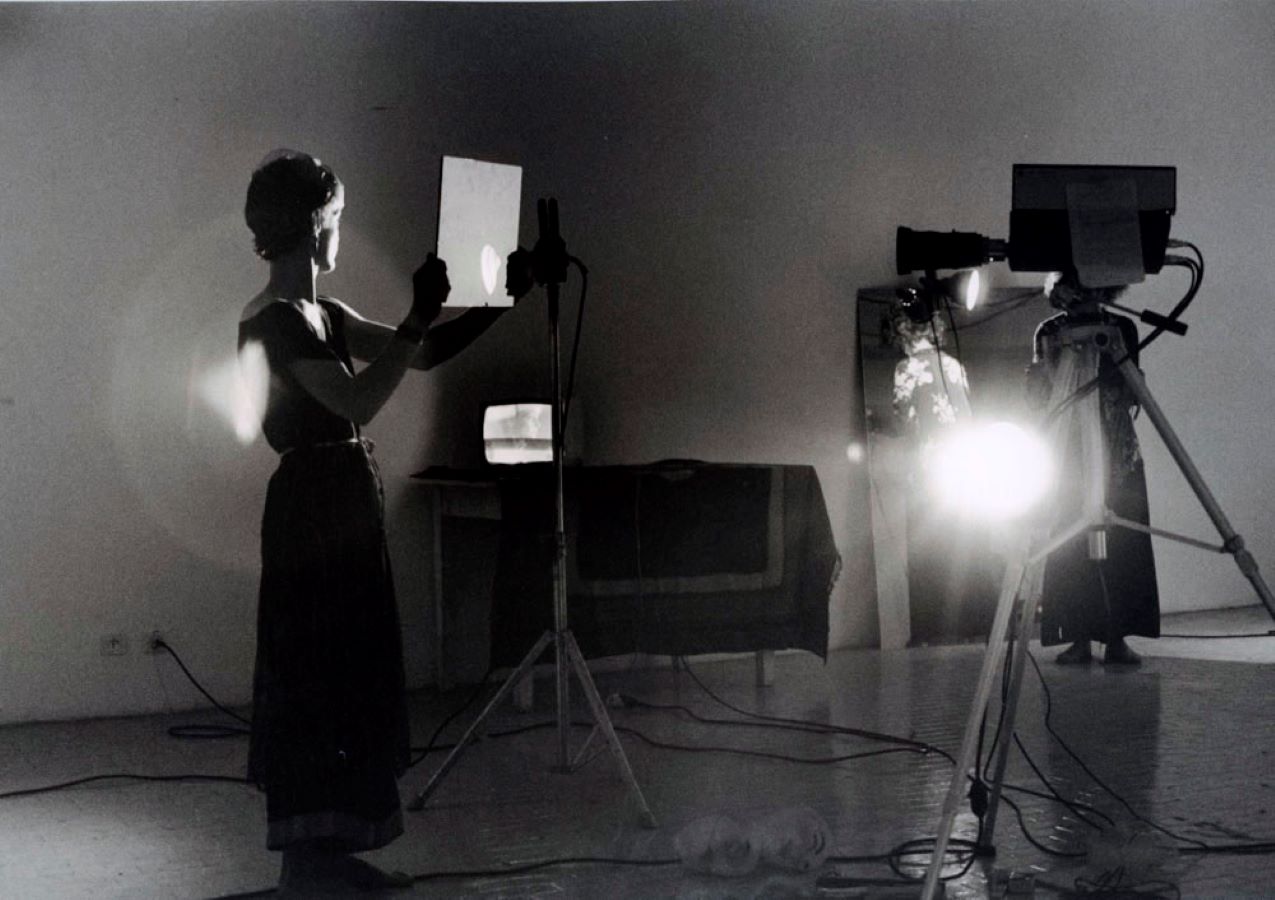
pixel 938 568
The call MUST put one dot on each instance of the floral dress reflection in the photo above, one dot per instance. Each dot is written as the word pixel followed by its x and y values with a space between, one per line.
pixel 931 390
pixel 951 577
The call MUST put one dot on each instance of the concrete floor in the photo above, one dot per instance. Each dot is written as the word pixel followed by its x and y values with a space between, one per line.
pixel 1187 742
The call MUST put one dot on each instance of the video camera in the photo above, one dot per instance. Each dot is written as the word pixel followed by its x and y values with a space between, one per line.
pixel 1104 226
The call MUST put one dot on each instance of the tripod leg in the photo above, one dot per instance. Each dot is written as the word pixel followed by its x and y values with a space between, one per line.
pixel 523 668
pixel 603 721
pixel 1232 542
pixel 1026 625
pixel 582 753
pixel 1014 572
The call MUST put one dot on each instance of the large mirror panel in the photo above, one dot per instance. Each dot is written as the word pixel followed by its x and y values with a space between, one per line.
pixel 938 573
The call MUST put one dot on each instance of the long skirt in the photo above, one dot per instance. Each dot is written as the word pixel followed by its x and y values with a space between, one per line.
pixel 1088 600
pixel 329 726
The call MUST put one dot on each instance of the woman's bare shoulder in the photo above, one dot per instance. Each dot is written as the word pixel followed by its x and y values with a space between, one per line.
pixel 256 305
pixel 348 311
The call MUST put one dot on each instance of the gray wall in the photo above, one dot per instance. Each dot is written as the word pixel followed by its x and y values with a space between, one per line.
pixel 732 173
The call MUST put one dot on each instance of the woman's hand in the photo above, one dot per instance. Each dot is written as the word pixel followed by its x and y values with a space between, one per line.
pixel 430 288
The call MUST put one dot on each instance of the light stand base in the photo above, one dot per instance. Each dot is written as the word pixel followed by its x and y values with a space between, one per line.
pixel 567 657
pixel 602 722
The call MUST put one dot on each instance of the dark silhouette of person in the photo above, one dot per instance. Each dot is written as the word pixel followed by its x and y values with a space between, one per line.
pixel 1086 600
pixel 330 733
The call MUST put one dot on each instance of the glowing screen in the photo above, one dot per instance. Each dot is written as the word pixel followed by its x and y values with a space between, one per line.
pixel 518 433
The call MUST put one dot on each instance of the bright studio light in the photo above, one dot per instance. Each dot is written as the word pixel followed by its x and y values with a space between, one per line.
pixel 997 471
pixel 973 289
pixel 236 390
pixel 964 287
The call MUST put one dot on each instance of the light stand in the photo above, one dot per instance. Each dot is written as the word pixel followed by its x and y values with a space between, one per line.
pixel 550 262
pixel 1082 349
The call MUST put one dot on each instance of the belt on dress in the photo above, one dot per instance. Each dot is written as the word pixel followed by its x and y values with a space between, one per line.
pixel 367 443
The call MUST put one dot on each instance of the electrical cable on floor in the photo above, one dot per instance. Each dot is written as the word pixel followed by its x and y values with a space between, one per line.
pixel 796 725
pixel 964 853
pixel 524 868
pixel 703 748
pixel 1113 885
pixel 1254 847
pixel 761 754
pixel 1072 805
pixel 188 732
pixel 660 745
pixel 827 727
pixel 964 850
pixel 981 766
pixel 914 847
pixel 896 858
pixel 1195 845
pixel 1110 889
pixel 1075 806
pixel 477 692
pixel 217 732
pixel 908 745
pixel 202 732
pixel 30 792
pixel 1219 637
pixel 1085 768
pixel 1049 851
pixel 183 731
pixel 504 871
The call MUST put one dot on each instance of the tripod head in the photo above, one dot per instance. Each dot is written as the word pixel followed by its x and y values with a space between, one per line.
pixel 1073 298
pixel 1104 337
pixel 1083 320
pixel 1085 304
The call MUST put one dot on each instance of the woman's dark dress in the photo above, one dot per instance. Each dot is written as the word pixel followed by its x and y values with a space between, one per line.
pixel 1076 604
pixel 329 726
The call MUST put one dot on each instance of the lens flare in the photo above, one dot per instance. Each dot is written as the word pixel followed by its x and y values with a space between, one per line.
pixel 973 289
pixel 236 390
pixel 996 471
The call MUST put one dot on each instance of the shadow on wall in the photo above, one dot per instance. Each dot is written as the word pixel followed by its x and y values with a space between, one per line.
pixel 179 420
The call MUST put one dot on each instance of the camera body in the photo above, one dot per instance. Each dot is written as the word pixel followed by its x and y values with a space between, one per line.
pixel 1103 226
pixel 1111 220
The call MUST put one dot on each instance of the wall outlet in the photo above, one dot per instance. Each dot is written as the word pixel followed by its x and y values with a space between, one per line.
pixel 150 643
pixel 114 645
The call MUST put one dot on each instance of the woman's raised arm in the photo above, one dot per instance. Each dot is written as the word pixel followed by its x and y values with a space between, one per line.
pixel 359 397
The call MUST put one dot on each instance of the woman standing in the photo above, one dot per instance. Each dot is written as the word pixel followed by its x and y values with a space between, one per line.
pixel 1085 600
pixel 330 728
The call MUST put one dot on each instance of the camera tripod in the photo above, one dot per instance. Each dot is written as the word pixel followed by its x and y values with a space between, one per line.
pixel 1080 349
pixel 551 267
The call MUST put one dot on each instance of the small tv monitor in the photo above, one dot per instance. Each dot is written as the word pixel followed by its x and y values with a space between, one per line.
pixel 518 432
